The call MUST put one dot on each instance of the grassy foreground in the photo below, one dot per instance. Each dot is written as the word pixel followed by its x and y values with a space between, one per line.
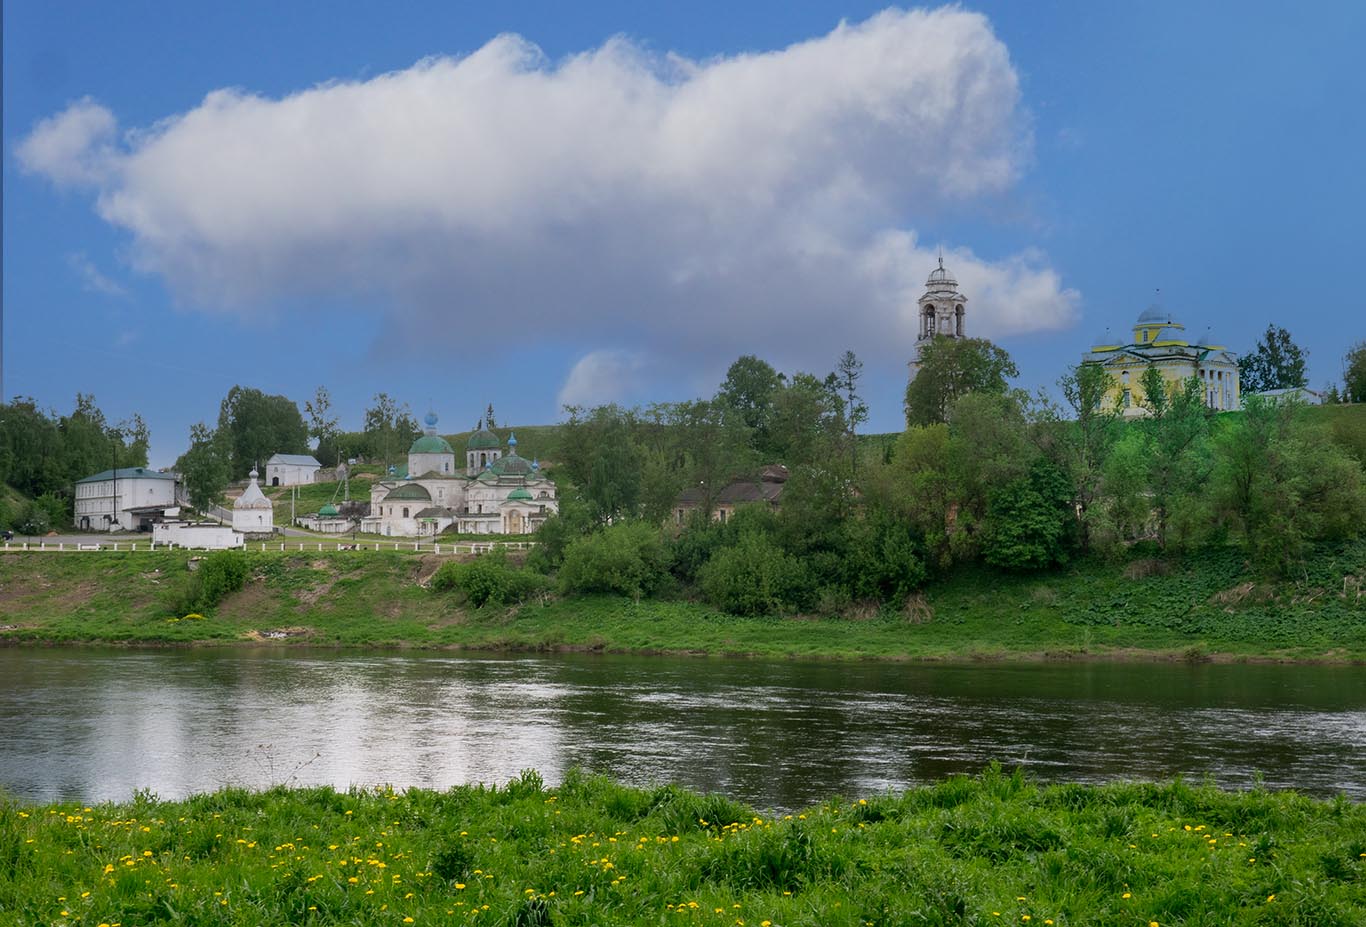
pixel 994 849
pixel 1203 608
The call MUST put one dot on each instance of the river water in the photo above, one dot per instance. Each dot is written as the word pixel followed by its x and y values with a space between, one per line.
pixel 92 724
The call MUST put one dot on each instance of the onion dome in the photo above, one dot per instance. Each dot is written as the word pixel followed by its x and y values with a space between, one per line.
pixel 1169 334
pixel 520 494
pixel 414 491
pixel 1105 340
pixel 512 439
pixel 430 420
pixel 252 497
pixel 328 511
pixel 1207 340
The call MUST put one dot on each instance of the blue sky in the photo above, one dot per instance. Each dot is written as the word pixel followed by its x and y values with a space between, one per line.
pixel 534 203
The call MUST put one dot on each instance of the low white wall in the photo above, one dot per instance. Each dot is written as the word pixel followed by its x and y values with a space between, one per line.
pixel 203 537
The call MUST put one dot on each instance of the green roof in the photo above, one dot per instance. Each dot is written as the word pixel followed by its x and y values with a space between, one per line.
pixel 512 465
pixel 520 494
pixel 129 473
pixel 328 510
pixel 409 491
pixel 483 439
pixel 431 444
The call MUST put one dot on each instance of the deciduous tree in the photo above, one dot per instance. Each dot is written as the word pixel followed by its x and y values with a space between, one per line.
pixel 954 367
pixel 1275 363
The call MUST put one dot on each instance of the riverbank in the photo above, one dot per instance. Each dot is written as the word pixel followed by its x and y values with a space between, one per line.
pixel 994 849
pixel 1205 608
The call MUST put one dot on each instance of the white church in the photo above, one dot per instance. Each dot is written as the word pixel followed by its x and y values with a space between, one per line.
pixel 495 492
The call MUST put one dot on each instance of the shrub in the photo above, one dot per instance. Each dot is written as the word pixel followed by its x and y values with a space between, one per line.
pixel 755 577
pixel 626 559
pixel 219 575
pixel 489 580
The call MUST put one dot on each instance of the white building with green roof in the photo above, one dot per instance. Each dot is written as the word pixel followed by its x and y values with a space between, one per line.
pixel 125 499
pixel 497 491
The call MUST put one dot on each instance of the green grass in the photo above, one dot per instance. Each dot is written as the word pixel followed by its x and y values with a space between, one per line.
pixel 1205 607
pixel 994 849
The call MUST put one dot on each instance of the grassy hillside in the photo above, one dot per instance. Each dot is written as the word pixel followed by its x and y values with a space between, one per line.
pixel 1193 609
pixel 995 849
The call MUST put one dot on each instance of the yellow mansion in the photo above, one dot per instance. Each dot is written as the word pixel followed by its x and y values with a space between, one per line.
pixel 1160 341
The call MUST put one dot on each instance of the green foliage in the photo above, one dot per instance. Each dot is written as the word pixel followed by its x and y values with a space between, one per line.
pixel 987 849
pixel 204 467
pixel 253 426
pixel 489 580
pixel 747 392
pixel 1354 373
pixel 1276 362
pixel 951 368
pixel 219 575
pixel 1029 521
pixel 557 532
pixel 46 513
pixel 754 577
pixel 1282 483
pixel 390 430
pixel 628 558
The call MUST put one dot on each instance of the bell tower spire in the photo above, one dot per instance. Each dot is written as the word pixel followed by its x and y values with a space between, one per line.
pixel 942 310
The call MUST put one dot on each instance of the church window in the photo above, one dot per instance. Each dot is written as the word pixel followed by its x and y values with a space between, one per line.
pixel 1128 398
pixel 1124 378
pixel 405 511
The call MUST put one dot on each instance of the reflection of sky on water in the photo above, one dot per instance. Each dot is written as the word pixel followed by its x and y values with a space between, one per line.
pixel 94 724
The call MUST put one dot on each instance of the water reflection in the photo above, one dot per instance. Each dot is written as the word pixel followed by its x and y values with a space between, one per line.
pixel 91 724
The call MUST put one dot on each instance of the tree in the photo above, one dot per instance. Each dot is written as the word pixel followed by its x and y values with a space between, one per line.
pixel 204 468
pixel 489 420
pixel 1280 482
pixel 1085 442
pixel 748 391
pixel 254 426
pixel 389 428
pixel 1354 373
pixel 322 424
pixel 1176 427
pixel 847 374
pixel 1275 363
pixel 806 422
pixel 954 367
pixel 1028 521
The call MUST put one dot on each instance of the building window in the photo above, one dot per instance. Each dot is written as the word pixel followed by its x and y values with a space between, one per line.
pixel 405 511
pixel 1124 378
pixel 1128 399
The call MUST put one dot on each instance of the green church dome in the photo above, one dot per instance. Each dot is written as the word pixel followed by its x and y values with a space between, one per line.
pixel 520 494
pixel 483 440
pixel 431 444
pixel 328 511
pixel 512 465
pixel 409 491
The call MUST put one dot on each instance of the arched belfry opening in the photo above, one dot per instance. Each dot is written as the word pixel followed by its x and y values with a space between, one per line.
pixel 942 311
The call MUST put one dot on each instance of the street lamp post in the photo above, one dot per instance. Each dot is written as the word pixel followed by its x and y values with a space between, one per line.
pixel 114 501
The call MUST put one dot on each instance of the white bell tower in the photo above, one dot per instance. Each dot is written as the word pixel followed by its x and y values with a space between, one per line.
pixel 941 311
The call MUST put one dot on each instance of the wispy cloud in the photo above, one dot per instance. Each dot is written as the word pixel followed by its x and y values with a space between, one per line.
pixel 675 207
pixel 92 279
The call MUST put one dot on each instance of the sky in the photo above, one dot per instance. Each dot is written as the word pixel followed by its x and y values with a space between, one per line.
pixel 540 204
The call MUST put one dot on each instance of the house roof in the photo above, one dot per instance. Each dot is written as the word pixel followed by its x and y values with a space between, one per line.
pixel 294 460
pixel 130 473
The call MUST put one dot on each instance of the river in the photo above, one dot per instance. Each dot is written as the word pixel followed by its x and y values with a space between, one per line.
pixel 91 724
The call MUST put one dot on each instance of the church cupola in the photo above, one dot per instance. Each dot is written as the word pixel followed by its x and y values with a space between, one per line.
pixel 942 310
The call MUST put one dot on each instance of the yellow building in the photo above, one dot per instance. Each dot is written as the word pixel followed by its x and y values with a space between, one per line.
pixel 1158 340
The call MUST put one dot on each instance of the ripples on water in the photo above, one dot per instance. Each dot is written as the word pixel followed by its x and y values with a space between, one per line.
pixel 90 724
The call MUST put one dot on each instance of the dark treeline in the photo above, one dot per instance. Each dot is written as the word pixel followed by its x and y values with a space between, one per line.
pixel 43 453
pixel 985 474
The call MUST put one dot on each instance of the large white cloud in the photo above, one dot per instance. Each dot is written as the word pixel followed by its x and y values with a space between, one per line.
pixel 683 208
